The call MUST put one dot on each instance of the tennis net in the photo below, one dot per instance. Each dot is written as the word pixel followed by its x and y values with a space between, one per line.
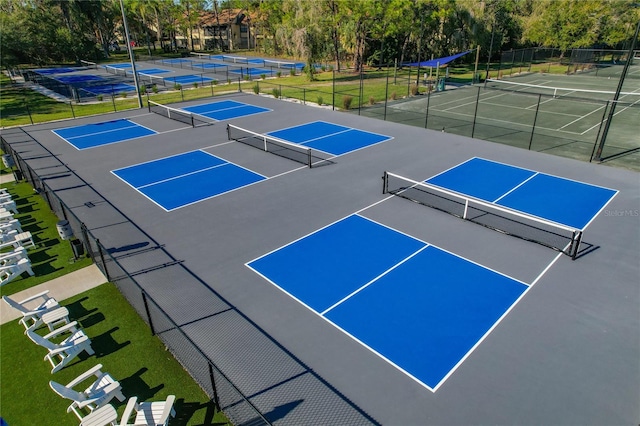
pixel 177 114
pixel 279 64
pixel 279 147
pixel 560 92
pixel 502 219
pixel 88 64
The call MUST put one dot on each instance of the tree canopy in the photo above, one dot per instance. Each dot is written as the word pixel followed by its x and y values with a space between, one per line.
pixel 360 32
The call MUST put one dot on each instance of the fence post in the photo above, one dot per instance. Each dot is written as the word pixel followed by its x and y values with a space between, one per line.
pixel 475 113
pixel 595 144
pixel 333 92
pixel 104 264
pixel 146 309
pixel 535 119
pixel 216 400
pixel 386 93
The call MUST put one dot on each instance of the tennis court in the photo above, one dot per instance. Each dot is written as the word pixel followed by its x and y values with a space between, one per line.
pixel 431 305
pixel 562 115
pixel 104 133
pixel 185 179
pixel 225 110
pixel 326 297
pixel 329 137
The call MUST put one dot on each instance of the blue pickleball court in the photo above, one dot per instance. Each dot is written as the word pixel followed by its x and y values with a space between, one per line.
pixel 98 134
pixel 564 201
pixel 420 308
pixel 184 179
pixel 188 79
pixel 225 110
pixel 327 137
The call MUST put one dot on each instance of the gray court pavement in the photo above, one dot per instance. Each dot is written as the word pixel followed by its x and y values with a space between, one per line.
pixel 567 353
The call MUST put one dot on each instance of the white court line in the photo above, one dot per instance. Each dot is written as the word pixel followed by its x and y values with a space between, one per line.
pixel 580 118
pixel 104 132
pixel 181 176
pixel 349 296
pixel 515 187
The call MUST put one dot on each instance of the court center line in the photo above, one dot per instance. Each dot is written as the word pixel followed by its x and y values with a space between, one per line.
pixel 103 132
pixel 371 282
pixel 181 176
pixel 515 187
pixel 216 110
pixel 325 136
pixel 580 118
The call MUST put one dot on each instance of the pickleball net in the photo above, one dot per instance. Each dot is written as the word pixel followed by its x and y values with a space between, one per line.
pixel 531 228
pixel 177 114
pixel 282 148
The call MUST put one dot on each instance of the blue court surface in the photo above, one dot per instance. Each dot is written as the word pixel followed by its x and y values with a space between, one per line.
pixel 252 71
pixel 92 135
pixel 207 65
pixel 188 79
pixel 109 89
pixel 121 65
pixel 175 61
pixel 225 110
pixel 328 137
pixel 419 307
pixel 153 71
pixel 184 179
pixel 557 199
pixel 61 70
pixel 71 79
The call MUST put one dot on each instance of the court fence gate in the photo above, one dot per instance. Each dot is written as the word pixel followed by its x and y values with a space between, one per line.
pixel 140 288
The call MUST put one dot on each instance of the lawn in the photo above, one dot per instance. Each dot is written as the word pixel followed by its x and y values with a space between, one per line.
pixel 124 346
pixel 52 257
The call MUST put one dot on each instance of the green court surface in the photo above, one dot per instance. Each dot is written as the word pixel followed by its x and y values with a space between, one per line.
pixel 561 115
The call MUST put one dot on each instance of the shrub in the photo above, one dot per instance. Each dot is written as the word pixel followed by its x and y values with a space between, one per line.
pixel 123 94
pixel 276 92
pixel 323 68
pixel 372 100
pixel 263 76
pixel 393 96
pixel 195 85
pixel 256 88
pixel 279 74
pixel 292 72
pixel 177 86
pixel 320 100
pixel 228 81
pixel 214 82
pixel 414 89
pixel 99 98
pixel 346 101
pixel 154 88
pixel 247 77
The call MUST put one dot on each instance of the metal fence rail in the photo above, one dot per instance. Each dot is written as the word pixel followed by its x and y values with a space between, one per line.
pixel 136 264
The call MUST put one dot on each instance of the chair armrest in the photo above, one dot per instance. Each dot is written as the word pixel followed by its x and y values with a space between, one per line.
pixel 67 346
pixel 95 371
pixel 71 327
pixel 128 410
pixel 35 296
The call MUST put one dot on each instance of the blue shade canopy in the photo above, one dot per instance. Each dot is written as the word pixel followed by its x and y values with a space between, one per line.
pixel 437 61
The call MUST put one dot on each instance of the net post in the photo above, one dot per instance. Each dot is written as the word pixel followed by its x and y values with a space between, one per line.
pixel 193 122
pixel 149 105
pixel 264 140
pixel 575 244
pixel 228 133
pixel 385 182
pixel 309 156
pixel 466 208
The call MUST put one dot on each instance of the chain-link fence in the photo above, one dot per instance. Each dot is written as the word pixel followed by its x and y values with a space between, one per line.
pixel 204 338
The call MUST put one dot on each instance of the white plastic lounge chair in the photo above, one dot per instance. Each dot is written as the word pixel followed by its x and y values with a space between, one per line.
pixel 102 389
pixel 12 257
pixel 148 413
pixel 32 307
pixel 61 354
pixel 11 225
pixel 10 272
